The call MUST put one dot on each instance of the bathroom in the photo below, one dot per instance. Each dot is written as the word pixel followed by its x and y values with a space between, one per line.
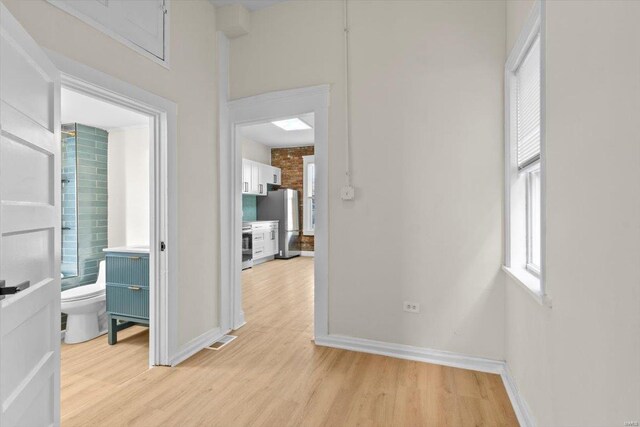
pixel 105 222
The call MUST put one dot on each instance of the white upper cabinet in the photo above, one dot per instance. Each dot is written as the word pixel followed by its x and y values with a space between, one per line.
pixel 275 176
pixel 256 176
pixel 256 185
pixel 266 177
pixel 246 176
pixel 140 24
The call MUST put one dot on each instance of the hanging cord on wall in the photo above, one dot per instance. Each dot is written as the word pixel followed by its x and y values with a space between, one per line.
pixel 347 191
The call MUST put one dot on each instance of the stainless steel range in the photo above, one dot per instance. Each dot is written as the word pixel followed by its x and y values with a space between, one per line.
pixel 247 246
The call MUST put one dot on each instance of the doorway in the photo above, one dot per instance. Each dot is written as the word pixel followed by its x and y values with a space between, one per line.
pixel 106 223
pixel 278 219
pixel 160 115
pixel 256 110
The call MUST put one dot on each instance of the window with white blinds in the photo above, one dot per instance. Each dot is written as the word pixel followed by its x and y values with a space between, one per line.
pixel 527 78
pixel 524 161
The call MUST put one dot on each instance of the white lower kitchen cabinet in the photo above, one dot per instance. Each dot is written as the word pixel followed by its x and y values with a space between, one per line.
pixel 271 239
pixel 264 239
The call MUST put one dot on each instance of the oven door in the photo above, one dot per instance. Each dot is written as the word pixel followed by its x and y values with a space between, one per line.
pixel 247 249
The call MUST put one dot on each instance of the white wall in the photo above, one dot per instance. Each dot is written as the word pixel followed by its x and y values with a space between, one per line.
pixel 128 186
pixel 578 363
pixel 191 83
pixel 253 150
pixel 427 160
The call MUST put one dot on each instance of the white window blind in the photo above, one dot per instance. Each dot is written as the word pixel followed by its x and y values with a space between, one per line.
pixel 528 106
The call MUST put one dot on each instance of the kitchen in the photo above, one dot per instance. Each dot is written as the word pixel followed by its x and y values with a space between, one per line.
pixel 278 195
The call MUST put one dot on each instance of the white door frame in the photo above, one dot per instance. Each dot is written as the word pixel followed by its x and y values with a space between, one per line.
pixel 163 182
pixel 261 108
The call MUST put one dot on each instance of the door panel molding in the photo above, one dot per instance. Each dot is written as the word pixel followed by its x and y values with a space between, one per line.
pixel 30 229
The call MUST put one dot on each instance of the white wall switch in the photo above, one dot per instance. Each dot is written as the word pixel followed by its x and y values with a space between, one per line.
pixel 347 192
pixel 411 307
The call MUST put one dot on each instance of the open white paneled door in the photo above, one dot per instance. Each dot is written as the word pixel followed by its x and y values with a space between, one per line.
pixel 30 230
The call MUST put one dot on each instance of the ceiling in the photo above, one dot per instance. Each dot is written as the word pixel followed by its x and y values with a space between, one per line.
pixel 78 108
pixel 273 136
pixel 249 4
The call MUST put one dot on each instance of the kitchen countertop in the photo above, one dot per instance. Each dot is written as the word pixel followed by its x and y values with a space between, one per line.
pixel 259 222
pixel 129 249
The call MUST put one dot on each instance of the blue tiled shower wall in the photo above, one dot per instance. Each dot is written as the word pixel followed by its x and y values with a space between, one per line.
pixel 249 208
pixel 91 194
pixel 69 267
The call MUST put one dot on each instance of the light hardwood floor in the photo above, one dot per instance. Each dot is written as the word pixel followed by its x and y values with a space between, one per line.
pixel 272 375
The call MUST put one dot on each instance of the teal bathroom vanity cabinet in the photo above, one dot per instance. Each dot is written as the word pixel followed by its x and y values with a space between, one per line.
pixel 127 288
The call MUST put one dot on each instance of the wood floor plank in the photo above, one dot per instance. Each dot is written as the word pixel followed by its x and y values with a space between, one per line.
pixel 272 375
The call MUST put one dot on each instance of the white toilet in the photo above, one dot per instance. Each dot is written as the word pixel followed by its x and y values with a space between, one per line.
pixel 85 307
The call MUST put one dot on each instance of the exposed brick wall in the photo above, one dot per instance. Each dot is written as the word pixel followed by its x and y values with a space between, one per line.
pixel 289 160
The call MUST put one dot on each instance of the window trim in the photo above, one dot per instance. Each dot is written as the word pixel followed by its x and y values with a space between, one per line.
pixel 306 218
pixel 535 284
pixel 528 171
pixel 125 41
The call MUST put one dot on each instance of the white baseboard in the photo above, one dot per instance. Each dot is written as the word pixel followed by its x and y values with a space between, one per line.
pixel 307 253
pixel 240 322
pixel 196 344
pixel 438 357
pixel 408 352
pixel 263 260
pixel 520 407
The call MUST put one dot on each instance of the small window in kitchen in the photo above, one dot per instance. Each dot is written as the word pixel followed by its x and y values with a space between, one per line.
pixel 309 198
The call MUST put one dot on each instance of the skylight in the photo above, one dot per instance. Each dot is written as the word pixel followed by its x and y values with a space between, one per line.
pixel 291 124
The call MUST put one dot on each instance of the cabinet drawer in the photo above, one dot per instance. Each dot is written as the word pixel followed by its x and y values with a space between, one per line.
pixel 258 253
pixel 258 237
pixel 128 269
pixel 128 300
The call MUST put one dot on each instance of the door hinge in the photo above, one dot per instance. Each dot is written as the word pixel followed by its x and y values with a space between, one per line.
pixel 162 246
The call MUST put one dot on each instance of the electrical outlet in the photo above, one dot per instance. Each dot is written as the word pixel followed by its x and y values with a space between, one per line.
pixel 411 307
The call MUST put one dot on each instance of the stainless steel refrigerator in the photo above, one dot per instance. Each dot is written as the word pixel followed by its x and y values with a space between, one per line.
pixel 282 205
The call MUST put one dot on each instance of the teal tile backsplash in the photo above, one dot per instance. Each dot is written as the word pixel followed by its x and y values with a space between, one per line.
pixel 249 208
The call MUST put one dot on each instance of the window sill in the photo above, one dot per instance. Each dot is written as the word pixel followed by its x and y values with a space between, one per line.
pixel 530 283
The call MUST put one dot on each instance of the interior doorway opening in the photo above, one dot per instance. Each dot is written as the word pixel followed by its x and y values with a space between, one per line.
pixel 106 225
pixel 290 107
pixel 278 216
pixel 160 115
